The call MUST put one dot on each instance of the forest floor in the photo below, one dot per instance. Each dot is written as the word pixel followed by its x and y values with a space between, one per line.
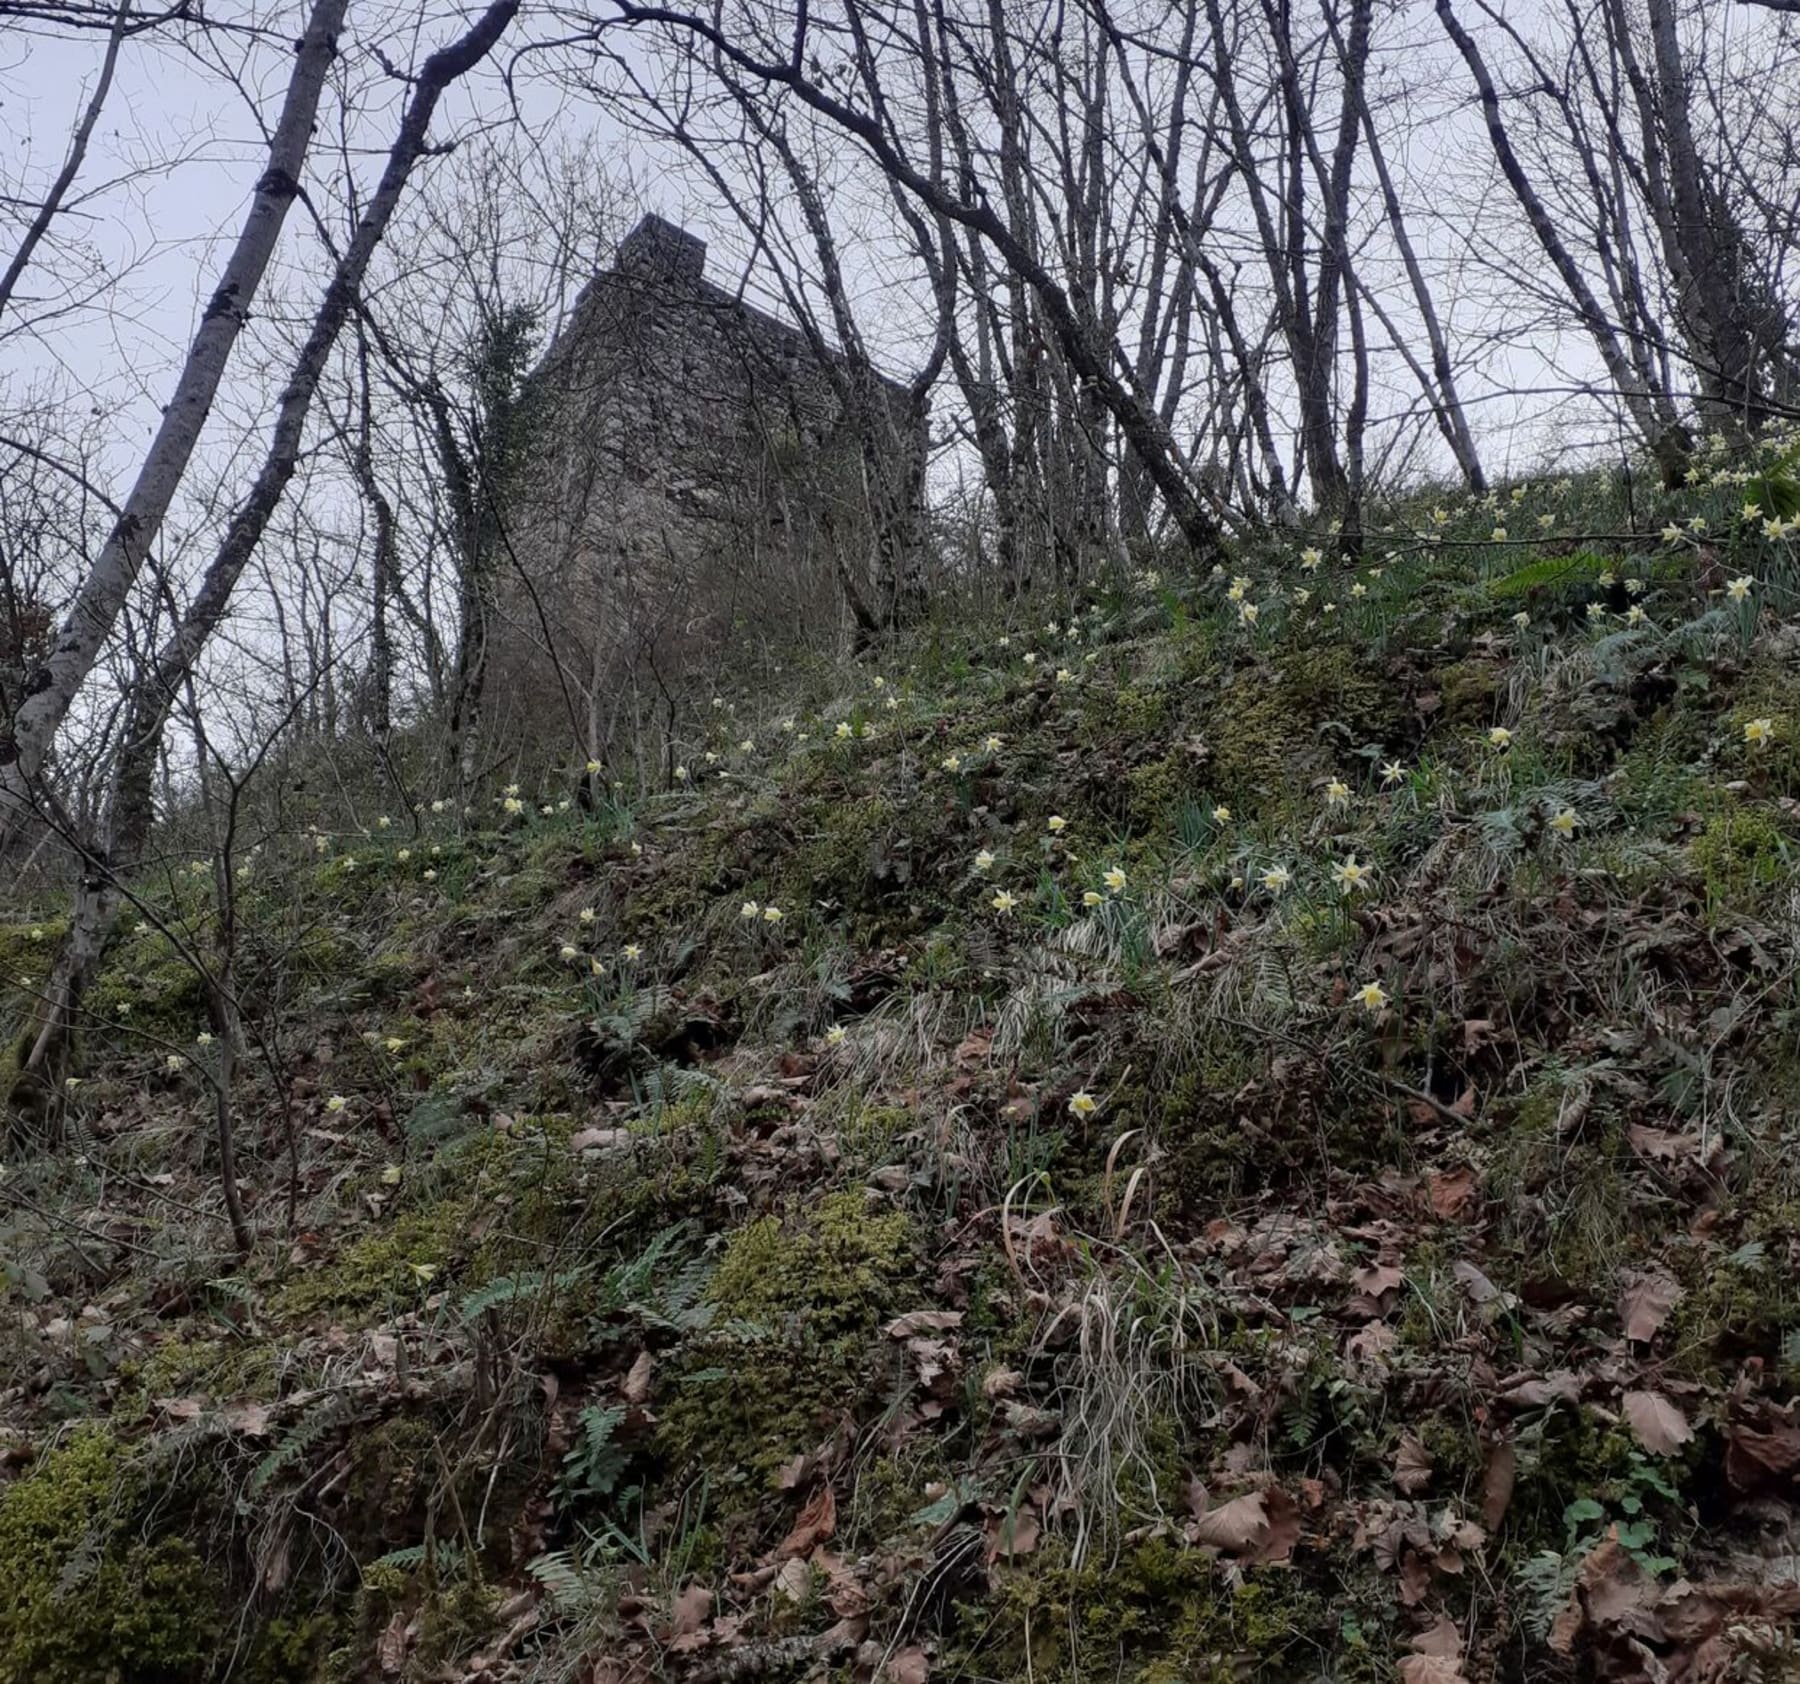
pixel 1237 1126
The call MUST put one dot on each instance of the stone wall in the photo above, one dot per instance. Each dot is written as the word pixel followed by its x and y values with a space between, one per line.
pixel 692 462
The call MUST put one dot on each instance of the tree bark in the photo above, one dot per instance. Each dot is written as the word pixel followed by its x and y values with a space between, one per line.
pixel 51 691
pixel 130 806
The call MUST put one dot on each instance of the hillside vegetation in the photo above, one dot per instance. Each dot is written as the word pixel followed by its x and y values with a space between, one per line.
pixel 1237 1125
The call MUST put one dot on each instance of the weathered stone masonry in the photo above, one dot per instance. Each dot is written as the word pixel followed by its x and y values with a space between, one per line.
pixel 694 458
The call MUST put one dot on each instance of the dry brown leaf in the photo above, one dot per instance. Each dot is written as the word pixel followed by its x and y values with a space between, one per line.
pixel 923 1321
pixel 815 1523
pixel 1497 1484
pixel 907 1666
pixel 1646 1303
pixel 636 1385
pixel 1236 1527
pixel 689 1611
pixel 793 1579
pixel 1660 1427
pixel 1451 1190
pixel 1412 1466
pixel 1480 1289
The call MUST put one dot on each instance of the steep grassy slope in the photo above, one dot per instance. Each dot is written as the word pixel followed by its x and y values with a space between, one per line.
pixel 1230 1128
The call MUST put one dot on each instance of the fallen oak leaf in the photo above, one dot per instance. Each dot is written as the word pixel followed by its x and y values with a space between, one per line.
pixel 1497 1484
pixel 812 1526
pixel 1661 1428
pixel 923 1321
pixel 1236 1527
pixel 1646 1303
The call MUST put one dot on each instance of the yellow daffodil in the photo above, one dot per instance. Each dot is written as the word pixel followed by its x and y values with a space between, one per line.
pixel 1499 535
pixel 994 744
pixel 381 823
pixel 1221 814
pixel 1752 510
pixel 983 860
pixel 749 910
pixel 1596 611
pixel 772 915
pixel 1114 878
pixel 1092 898
pixel 204 1038
pixel 1310 560
pixel 747 746
pixel 1499 737
pixel 569 954
pixel 1671 534
pixel 1083 1104
pixel 1392 773
pixel 1521 619
pixel 1635 616
pixel 510 789
pixel 593 768
pixel 1003 902
pixel 631 950
pixel 394 1044
pixel 1248 613
pixel 1634 587
pixel 1758 732
pixel 423 1273
pixel 1240 588
pixel 834 1036
pixel 336 1103
pixel 1563 821
pixel 1739 588
pixel 1276 878
pixel 1697 524
pixel 843 730
pixel 403 856
pixel 1056 824
pixel 1030 659
pixel 430 875
pixel 1063 675
pixel 173 1063
pixel 951 763
pixel 512 805
pixel 1337 792
pixel 439 806
pixel 1359 589
pixel 681 774
pixel 1349 875
pixel 1371 996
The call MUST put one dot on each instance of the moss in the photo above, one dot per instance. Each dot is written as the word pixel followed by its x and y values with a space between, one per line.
pixel 1739 851
pixel 859 852
pixel 1468 694
pixel 1157 792
pixel 382 1267
pixel 162 990
pixel 1299 719
pixel 87 1598
pixel 798 1302
pixel 1159 1614
pixel 291 1647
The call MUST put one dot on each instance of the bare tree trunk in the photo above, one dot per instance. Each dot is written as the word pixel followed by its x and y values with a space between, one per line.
pixel 130 806
pixel 25 745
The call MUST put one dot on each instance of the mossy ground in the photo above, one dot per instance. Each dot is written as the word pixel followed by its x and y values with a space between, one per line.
pixel 1033 1166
